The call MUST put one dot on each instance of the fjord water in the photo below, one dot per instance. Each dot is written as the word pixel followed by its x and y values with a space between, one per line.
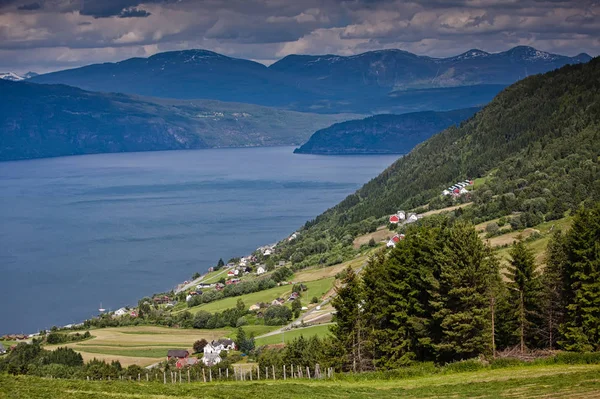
pixel 111 228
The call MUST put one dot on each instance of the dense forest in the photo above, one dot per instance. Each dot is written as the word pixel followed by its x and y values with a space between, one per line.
pixel 382 134
pixel 536 147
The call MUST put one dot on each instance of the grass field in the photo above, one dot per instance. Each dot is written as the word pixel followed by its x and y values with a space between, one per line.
pixel 316 288
pixel 320 331
pixel 557 381
pixel 142 345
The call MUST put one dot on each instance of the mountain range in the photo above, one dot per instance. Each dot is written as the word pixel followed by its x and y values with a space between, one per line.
pixel 382 134
pixel 54 120
pixel 373 82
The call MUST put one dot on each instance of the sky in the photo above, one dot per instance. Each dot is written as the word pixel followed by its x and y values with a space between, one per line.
pixel 48 35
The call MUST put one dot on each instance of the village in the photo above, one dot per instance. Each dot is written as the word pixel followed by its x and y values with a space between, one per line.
pixel 188 294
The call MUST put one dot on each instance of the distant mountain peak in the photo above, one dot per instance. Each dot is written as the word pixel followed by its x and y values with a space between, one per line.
pixel 473 53
pixel 11 76
pixel 531 54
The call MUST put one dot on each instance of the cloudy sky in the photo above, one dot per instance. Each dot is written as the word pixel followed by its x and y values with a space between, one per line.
pixel 46 35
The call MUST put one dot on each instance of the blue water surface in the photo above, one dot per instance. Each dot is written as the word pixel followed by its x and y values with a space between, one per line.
pixel 112 228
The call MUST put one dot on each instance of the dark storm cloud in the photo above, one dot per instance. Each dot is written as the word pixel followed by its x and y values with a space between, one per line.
pixel 51 34
pixel 110 8
pixel 30 7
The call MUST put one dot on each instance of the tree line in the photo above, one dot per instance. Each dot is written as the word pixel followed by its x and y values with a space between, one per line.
pixel 440 295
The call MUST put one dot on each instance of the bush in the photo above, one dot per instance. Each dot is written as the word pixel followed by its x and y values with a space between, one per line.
pixel 241 322
pixel 314 300
pixel 277 315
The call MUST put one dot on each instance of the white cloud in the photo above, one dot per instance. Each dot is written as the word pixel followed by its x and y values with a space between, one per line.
pixel 57 35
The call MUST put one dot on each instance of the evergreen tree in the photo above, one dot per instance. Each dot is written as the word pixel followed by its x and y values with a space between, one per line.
pixel 462 303
pixel 495 293
pixel 553 303
pixel 524 291
pixel 399 290
pixel 349 329
pixel 581 330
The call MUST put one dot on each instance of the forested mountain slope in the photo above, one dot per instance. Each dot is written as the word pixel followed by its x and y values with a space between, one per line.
pixel 382 134
pixel 538 142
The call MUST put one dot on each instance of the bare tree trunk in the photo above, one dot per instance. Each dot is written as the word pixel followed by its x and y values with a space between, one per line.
pixel 522 317
pixel 550 326
pixel 493 308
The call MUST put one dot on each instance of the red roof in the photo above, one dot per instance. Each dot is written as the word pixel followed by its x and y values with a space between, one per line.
pixel 394 219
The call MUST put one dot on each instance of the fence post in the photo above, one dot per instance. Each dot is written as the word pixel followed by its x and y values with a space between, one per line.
pixel 188 376
pixel 266 373
pixel 308 372
pixel 251 370
pixel 203 375
pixel 219 373
pixel 284 376
pixel 292 371
pixel 210 375
pixel 164 377
pixel 273 366
pixel 258 372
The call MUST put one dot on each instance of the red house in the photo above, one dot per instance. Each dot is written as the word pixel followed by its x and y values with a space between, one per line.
pixel 177 354
pixel 394 219
pixel 398 237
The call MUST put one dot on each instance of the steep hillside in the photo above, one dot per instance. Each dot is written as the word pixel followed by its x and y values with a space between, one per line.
pixel 366 83
pixel 53 120
pixel 537 143
pixel 382 134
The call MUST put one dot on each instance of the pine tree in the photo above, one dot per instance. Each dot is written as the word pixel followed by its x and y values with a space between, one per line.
pixel 349 329
pixel 405 324
pixel 581 330
pixel 553 302
pixel 524 290
pixel 463 308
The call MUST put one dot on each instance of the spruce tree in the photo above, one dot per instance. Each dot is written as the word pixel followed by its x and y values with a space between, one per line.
pixel 581 330
pixel 553 302
pixel 349 329
pixel 409 275
pixel 462 304
pixel 524 291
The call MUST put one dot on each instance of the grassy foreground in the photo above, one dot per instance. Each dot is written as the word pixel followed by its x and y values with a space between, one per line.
pixel 556 381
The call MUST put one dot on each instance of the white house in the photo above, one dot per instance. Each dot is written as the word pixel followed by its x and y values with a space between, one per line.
pixel 412 217
pixel 120 312
pixel 211 359
pixel 188 298
pixel 260 270
pixel 401 215
pixel 463 191
pixel 446 192
pixel 267 252
pixel 254 307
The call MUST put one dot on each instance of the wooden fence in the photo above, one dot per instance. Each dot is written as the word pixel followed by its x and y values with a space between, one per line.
pixel 255 373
